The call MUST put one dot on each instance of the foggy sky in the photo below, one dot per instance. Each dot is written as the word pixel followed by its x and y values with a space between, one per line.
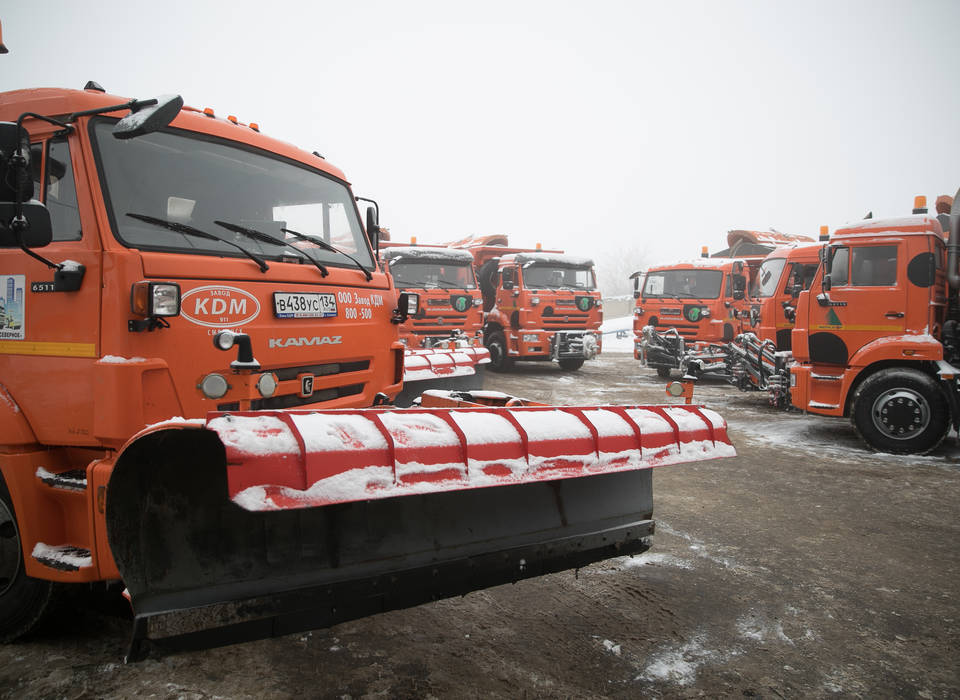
pixel 627 130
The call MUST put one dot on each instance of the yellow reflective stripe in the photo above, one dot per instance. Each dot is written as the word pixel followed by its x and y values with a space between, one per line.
pixel 24 347
pixel 845 327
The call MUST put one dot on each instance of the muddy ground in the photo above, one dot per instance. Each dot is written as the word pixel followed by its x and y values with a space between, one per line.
pixel 805 567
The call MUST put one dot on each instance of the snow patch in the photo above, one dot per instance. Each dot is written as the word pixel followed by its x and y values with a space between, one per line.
pixel 679 665
pixel 118 360
pixel 62 553
pixel 657 559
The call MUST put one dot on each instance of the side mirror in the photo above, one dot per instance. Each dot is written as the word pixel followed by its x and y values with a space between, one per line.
pixel 14 170
pixel 739 286
pixel 507 283
pixel 825 283
pixel 147 116
pixel 373 228
pixel 34 227
pixel 408 304
pixel 795 290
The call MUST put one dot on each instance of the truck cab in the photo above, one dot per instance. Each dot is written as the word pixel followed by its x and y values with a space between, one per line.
pixel 451 313
pixel 777 284
pixel 200 267
pixel 698 298
pixel 870 335
pixel 542 306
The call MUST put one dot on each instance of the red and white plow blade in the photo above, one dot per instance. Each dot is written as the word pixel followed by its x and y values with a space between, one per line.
pixel 436 363
pixel 290 459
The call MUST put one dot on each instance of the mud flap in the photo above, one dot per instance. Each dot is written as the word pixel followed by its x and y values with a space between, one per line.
pixel 203 572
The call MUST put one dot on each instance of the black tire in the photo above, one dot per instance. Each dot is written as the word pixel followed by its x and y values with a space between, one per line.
pixel 663 372
pixel 497 345
pixel 24 601
pixel 571 364
pixel 900 410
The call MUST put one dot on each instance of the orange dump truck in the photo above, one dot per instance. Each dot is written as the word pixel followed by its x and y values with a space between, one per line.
pixel 198 345
pixel 538 305
pixel 877 337
pixel 444 338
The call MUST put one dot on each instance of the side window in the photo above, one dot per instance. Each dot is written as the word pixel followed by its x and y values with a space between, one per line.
pixel 874 266
pixel 61 192
pixel 728 293
pixel 839 267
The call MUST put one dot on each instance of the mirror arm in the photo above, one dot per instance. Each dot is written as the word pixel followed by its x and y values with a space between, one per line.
pixel 17 225
pixel 113 108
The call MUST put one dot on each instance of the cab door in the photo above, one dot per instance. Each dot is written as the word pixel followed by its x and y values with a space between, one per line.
pixel 867 299
pixel 49 336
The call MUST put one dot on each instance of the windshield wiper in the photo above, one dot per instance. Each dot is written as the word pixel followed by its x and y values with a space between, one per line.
pixel 326 246
pixel 191 231
pixel 267 238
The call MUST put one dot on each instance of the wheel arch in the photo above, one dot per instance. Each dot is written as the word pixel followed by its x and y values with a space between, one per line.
pixel 924 366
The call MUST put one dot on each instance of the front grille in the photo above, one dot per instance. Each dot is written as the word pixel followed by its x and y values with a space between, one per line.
pixel 325 370
pixel 294 400
pixel 438 302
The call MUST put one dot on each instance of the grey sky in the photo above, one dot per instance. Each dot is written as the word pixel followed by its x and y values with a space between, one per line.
pixel 598 127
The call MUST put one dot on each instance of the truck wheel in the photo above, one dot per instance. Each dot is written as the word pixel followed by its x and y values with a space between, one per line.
pixel 571 364
pixel 24 601
pixel 497 345
pixel 663 372
pixel 901 411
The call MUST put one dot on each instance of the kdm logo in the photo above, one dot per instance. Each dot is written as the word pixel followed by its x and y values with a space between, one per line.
pixel 219 307
pixel 301 341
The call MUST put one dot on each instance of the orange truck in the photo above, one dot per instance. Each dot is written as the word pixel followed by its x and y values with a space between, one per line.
pixel 538 304
pixel 877 337
pixel 196 364
pixel 697 305
pixel 444 339
pixel 759 357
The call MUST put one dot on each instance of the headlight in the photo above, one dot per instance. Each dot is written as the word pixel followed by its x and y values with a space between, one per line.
pixel 155 299
pixel 534 301
pixel 214 386
pixel 530 337
pixel 267 385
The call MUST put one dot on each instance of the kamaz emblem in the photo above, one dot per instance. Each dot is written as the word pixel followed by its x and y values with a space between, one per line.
pixel 584 303
pixel 302 341
pixel 460 303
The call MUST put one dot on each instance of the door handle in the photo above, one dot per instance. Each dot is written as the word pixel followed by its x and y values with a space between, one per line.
pixel 894 314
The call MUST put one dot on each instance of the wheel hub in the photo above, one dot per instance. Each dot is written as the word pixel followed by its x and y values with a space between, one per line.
pixel 9 548
pixel 901 413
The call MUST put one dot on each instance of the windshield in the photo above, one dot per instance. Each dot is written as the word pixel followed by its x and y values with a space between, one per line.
pixel 558 277
pixel 185 178
pixel 768 277
pixel 431 274
pixel 683 284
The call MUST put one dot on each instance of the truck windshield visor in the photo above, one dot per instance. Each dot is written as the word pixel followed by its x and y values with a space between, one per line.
pixel 558 277
pixel 431 274
pixel 192 179
pixel 683 284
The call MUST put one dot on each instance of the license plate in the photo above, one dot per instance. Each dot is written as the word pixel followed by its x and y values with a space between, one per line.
pixel 304 305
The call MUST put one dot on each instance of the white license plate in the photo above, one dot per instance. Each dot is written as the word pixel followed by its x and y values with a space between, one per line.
pixel 304 305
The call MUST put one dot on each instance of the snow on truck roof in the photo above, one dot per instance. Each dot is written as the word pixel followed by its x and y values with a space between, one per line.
pixel 902 226
pixel 418 253
pixel 774 238
pixel 701 263
pixel 549 259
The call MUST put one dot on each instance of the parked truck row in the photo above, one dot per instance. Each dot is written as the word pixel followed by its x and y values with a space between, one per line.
pixel 862 326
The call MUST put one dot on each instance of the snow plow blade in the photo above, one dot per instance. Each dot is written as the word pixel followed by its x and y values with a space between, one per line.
pixel 267 523
pixel 439 363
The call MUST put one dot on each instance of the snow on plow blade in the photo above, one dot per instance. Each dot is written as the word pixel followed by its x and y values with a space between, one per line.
pixel 267 523
pixel 438 363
